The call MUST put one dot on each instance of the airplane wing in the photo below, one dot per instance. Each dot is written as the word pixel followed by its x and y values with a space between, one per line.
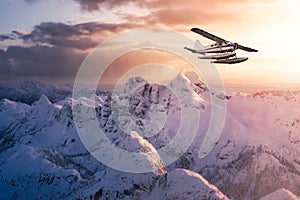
pixel 246 48
pixel 208 35
pixel 220 40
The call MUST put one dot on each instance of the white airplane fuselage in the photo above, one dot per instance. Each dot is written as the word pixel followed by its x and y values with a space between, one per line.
pixel 219 53
pixel 218 56
pixel 218 49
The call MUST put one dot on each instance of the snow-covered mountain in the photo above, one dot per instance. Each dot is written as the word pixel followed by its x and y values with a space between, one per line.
pixel 42 156
pixel 258 152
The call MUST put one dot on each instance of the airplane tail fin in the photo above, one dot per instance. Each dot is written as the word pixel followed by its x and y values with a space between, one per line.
pixel 198 45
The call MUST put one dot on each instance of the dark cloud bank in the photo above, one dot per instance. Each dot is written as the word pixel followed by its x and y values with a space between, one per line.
pixel 52 50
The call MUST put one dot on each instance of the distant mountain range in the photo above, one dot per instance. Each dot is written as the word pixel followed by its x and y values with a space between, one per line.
pixel 30 91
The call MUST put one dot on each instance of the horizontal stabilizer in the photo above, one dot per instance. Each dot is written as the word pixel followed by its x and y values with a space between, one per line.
pixel 194 50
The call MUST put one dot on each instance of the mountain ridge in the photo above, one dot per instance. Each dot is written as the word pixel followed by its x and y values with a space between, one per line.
pixel 260 140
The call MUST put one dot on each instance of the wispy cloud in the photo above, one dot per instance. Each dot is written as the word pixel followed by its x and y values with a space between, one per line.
pixel 80 36
pixel 10 36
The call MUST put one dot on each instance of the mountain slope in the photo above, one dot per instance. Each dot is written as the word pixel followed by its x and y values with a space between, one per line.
pixel 281 194
pixel 258 151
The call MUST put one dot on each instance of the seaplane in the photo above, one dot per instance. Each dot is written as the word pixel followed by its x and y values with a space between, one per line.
pixel 221 52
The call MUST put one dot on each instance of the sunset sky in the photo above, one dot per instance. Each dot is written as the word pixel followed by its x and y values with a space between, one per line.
pixel 48 40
